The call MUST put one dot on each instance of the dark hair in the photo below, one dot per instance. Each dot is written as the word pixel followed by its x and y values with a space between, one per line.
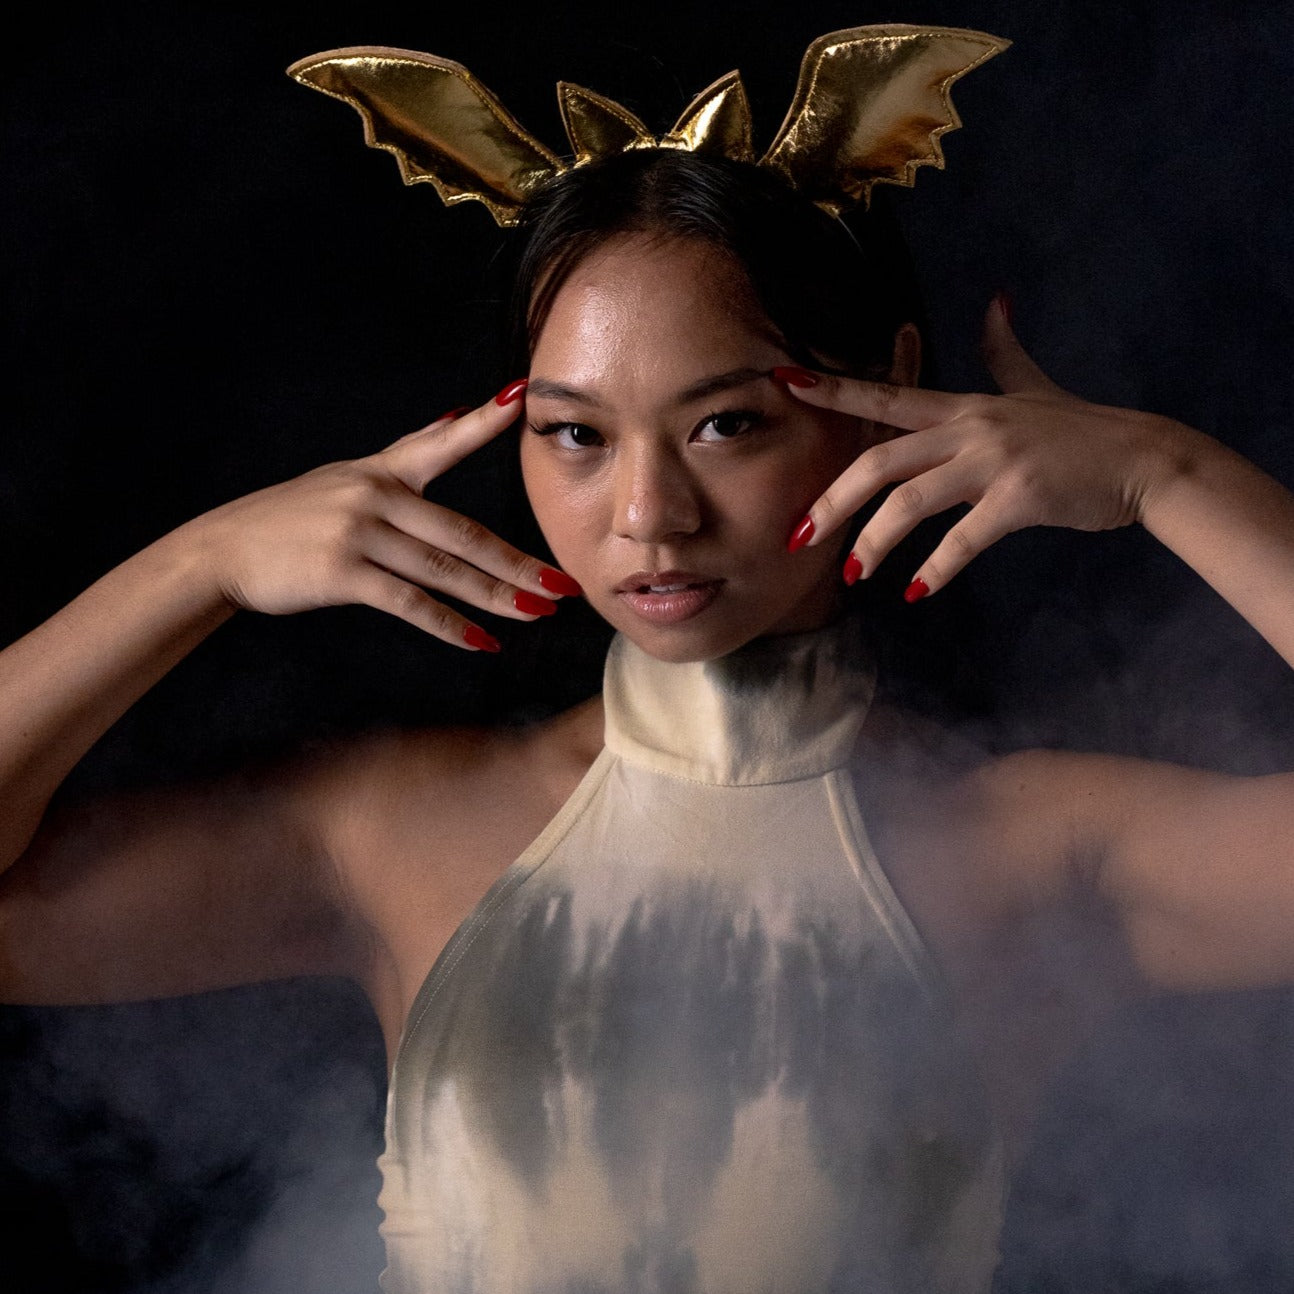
pixel 837 298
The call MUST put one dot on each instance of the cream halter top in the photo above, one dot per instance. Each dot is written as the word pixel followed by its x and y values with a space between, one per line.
pixel 689 1042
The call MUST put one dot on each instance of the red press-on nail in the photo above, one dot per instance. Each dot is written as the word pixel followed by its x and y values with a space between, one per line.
pixel 479 639
pixel 455 413
pixel 512 391
pixel 559 582
pixel 853 569
pixel 793 375
pixel 532 604
pixel 916 590
pixel 1005 305
pixel 800 535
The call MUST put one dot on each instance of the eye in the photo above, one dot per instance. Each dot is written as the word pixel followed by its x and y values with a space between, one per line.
pixel 570 435
pixel 727 425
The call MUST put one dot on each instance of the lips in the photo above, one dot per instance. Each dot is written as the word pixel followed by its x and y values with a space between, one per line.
pixel 642 581
pixel 668 597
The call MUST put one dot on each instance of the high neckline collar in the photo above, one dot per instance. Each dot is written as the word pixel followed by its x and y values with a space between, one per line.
pixel 776 710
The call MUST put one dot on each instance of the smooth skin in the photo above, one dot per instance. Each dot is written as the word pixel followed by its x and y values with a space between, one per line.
pixel 668 445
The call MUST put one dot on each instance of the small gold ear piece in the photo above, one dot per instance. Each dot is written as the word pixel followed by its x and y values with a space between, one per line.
pixel 717 121
pixel 597 126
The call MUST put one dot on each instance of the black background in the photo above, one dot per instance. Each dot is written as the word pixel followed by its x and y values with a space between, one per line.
pixel 211 285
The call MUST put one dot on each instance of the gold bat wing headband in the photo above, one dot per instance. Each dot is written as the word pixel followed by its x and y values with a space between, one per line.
pixel 869 108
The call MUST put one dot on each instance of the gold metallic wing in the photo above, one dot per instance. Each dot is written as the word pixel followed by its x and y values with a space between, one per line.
pixel 597 126
pixel 717 121
pixel 870 106
pixel 440 123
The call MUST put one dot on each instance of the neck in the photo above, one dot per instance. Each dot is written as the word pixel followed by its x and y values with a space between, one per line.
pixel 778 709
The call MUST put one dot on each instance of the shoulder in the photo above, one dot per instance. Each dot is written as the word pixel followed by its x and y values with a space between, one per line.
pixel 385 783
pixel 1023 828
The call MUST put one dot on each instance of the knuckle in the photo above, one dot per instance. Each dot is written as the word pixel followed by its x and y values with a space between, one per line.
pixel 440 566
pixel 879 458
pixel 828 508
pixel 886 395
pixel 410 603
pixel 909 497
pixel 961 544
pixel 1020 488
pixel 467 532
pixel 346 536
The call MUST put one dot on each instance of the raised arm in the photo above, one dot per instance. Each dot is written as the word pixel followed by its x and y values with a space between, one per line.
pixel 1038 456
pixel 1199 865
pixel 163 893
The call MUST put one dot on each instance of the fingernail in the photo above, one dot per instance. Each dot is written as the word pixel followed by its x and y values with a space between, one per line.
pixel 793 375
pixel 916 590
pixel 559 582
pixel 512 391
pixel 800 535
pixel 1004 304
pixel 455 413
pixel 479 639
pixel 853 569
pixel 532 604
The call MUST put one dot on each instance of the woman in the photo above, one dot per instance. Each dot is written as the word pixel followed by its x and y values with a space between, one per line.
pixel 675 445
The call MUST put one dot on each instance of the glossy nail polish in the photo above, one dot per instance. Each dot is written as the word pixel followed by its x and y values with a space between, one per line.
pixel 512 392
pixel 853 569
pixel 916 590
pixel 793 375
pixel 800 535
pixel 479 639
pixel 1005 305
pixel 559 582
pixel 455 413
pixel 532 604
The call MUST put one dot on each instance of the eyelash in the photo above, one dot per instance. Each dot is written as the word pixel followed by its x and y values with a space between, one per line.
pixel 749 416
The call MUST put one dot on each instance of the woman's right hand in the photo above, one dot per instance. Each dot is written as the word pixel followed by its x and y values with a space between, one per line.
pixel 361 532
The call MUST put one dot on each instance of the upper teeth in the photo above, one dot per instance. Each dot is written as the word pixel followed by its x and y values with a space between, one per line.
pixel 666 588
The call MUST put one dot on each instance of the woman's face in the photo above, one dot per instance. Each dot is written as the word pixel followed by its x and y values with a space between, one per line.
pixel 659 454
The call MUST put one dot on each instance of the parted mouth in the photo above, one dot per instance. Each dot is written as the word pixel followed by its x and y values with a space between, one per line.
pixel 663 581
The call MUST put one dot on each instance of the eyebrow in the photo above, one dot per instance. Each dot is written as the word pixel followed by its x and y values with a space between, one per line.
pixel 549 390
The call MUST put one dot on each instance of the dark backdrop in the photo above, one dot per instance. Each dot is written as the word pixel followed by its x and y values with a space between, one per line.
pixel 210 285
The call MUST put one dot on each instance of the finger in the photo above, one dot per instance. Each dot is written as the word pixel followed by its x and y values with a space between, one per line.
pixel 437 422
pixel 978 530
pixel 910 408
pixel 420 458
pixel 386 592
pixel 909 504
pixel 433 568
pixel 466 538
pixel 871 471
pixel 1012 367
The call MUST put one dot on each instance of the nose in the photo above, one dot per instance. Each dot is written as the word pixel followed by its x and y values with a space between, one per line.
pixel 655 497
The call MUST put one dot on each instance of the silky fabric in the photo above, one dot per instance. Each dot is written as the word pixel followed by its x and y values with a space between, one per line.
pixel 689 1042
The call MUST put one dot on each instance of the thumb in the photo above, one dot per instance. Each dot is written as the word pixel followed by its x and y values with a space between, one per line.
pixel 1010 364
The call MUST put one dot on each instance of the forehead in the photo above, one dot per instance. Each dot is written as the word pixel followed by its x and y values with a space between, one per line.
pixel 639 311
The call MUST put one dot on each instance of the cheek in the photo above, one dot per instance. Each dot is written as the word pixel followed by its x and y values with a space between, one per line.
pixel 561 508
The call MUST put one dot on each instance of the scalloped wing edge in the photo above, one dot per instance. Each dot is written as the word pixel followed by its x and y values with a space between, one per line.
pixel 809 65
pixel 411 170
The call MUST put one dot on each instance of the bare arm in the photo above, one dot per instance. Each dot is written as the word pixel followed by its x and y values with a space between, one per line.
pixel 160 894
pixel 1232 524
pixel 1199 866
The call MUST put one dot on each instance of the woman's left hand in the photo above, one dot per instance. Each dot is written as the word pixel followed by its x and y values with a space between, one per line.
pixel 1033 456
